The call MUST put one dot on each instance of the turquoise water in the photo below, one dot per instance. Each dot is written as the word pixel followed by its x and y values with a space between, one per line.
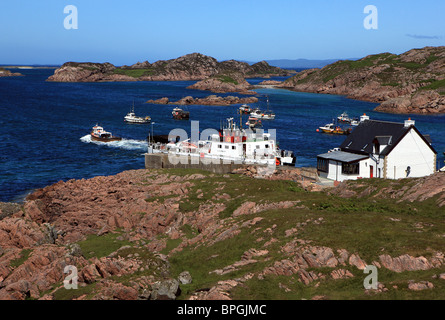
pixel 44 126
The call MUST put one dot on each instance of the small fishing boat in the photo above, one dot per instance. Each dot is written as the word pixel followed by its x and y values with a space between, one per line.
pixel 99 134
pixel 344 118
pixel 132 118
pixel 245 109
pixel 333 129
pixel 180 114
pixel 267 115
pixel 253 122
pixel 257 113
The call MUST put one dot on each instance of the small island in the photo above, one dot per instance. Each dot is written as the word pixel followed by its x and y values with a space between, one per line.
pixel 194 66
pixel 7 73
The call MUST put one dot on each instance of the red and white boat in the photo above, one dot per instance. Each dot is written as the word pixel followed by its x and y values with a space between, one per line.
pixel 99 134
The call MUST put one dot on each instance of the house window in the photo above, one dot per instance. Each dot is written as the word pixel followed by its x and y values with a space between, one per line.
pixel 233 147
pixel 219 146
pixel 322 165
pixel 377 147
pixel 350 168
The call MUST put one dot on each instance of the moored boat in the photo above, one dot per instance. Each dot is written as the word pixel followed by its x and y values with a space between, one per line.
pixel 334 129
pixel 99 134
pixel 132 118
pixel 265 115
pixel 257 113
pixel 245 109
pixel 253 122
pixel 179 114
pixel 344 118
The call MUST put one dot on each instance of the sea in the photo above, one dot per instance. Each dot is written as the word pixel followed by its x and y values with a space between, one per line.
pixel 45 126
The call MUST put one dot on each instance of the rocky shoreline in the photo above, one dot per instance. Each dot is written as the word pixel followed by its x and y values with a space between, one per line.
pixel 211 100
pixel 130 236
pixel 412 82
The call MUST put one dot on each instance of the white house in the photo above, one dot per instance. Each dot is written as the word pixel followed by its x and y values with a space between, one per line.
pixel 380 149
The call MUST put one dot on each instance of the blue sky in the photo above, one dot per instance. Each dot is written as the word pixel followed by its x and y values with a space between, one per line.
pixel 124 32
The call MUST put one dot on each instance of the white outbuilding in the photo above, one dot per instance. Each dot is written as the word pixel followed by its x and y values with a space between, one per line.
pixel 380 149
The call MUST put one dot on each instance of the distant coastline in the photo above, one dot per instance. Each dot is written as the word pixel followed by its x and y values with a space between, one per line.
pixel 27 67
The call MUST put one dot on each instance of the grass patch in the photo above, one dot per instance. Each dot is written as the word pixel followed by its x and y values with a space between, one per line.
pixel 101 246
pixel 435 85
pixel 160 199
pixel 134 73
pixel 202 261
pixel 227 79
pixel 24 255
pixel 237 189
pixel 170 245
pixel 63 294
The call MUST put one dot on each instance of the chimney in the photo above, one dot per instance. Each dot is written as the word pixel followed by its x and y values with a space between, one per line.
pixel 409 123
pixel 364 117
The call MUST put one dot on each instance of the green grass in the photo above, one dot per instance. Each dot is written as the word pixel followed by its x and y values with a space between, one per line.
pixel 160 199
pixel 63 294
pixel 24 255
pixel 239 189
pixel 227 79
pixel 369 225
pixel 135 73
pixel 101 246
pixel 435 85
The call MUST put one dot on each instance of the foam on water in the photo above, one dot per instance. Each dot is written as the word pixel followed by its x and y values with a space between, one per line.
pixel 127 144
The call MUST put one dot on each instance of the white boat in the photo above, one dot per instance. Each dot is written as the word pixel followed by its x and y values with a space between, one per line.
pixel 267 115
pixel 333 129
pixel 99 134
pixel 132 118
pixel 230 144
pixel 344 118
pixel 245 109
pixel 253 122
pixel 257 113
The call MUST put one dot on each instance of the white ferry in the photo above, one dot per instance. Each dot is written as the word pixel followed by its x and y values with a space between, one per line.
pixel 230 144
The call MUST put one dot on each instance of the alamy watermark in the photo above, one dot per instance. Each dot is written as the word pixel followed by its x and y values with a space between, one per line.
pixel 371 281
pixel 70 281
pixel 263 153
pixel 71 21
pixel 371 21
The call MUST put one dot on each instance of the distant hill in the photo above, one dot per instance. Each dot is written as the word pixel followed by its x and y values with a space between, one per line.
pixel 300 63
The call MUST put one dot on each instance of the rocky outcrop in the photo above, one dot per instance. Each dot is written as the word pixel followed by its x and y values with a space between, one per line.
pixel 125 234
pixel 419 189
pixel 412 82
pixel 224 82
pixel 193 66
pixel 88 72
pixel 7 73
pixel 211 100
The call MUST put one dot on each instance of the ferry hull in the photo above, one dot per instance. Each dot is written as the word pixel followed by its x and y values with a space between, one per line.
pixel 105 139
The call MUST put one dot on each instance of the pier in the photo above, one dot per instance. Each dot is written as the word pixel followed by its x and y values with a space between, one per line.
pixel 161 161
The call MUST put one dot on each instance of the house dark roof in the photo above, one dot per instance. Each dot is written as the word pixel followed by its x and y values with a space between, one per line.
pixel 362 138
pixel 343 156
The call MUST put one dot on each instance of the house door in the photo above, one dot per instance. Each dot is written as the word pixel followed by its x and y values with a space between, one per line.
pixel 371 171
